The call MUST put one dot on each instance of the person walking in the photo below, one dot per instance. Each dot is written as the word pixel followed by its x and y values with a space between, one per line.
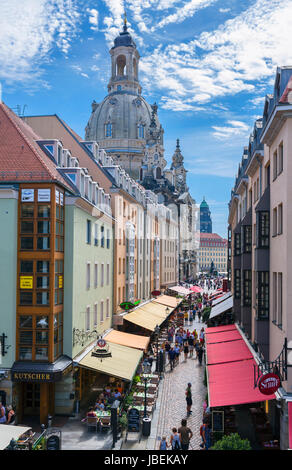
pixel 2 414
pixel 199 315
pixel 206 435
pixel 185 435
pixel 177 353
pixel 174 440
pixel 171 357
pixel 163 444
pixel 191 345
pixel 189 398
pixel 202 336
pixel 200 353
pixel 186 349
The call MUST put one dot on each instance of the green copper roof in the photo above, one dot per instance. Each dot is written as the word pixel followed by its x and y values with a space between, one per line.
pixel 203 203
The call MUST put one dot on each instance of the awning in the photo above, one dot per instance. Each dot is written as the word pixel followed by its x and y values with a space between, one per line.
pixel 127 339
pixel 10 432
pixel 232 383
pixel 220 299
pixel 122 364
pixel 148 315
pixel 230 366
pixel 196 289
pixel 181 290
pixel 168 301
pixel 229 351
pixel 215 338
pixel 221 307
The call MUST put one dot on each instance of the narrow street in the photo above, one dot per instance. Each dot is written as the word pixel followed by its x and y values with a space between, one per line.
pixel 173 402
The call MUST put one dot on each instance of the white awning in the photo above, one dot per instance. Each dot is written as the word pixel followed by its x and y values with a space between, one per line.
pixel 10 432
pixel 221 307
pixel 221 299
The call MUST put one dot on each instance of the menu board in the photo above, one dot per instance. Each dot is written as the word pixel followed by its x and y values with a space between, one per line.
pixel 218 421
pixel 44 195
pixel 27 195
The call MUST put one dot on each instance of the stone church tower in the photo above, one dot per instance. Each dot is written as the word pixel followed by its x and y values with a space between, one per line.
pixel 124 124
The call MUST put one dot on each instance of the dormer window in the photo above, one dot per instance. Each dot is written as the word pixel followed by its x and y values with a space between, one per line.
pixel 59 155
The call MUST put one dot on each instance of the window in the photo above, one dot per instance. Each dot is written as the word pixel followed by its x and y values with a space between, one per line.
pixel 108 238
pixel 247 288
pixel 101 311
pixel 95 274
pixel 262 294
pixel 275 165
pixel 102 275
pixel 108 130
pixel 267 171
pixel 88 231
pixel 88 276
pixel 87 326
pixel 280 299
pixel 263 229
pixel 26 243
pixel 107 308
pixel 141 131
pixel 95 315
pixel 107 274
pixel 95 234
pixel 247 239
pixel 275 224
pixel 102 236
pixel 275 295
pixel 280 219
pixel 280 161
pixel 237 284
pixel 237 244
pixel 26 267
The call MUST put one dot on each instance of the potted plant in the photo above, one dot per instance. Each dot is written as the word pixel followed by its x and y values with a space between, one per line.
pixel 232 442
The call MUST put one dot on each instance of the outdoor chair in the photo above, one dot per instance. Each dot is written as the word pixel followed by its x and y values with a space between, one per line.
pixel 105 423
pixel 92 422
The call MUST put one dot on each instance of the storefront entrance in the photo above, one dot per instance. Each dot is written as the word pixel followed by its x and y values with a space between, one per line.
pixel 31 399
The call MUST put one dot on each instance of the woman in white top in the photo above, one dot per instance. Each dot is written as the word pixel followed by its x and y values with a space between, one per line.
pixel 175 440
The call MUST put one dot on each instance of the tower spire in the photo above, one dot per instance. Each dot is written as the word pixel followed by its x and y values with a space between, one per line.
pixel 125 27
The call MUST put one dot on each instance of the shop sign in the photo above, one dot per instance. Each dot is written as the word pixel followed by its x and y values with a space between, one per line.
pixel 32 377
pixel 57 197
pixel 61 199
pixel 101 349
pixel 128 305
pixel 27 195
pixel 26 282
pixel 60 282
pixel 44 195
pixel 269 384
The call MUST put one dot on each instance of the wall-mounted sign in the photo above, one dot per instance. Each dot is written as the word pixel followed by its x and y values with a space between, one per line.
pixel 44 195
pixel 101 349
pixel 57 197
pixel 269 384
pixel 128 305
pixel 61 199
pixel 60 282
pixel 26 282
pixel 27 195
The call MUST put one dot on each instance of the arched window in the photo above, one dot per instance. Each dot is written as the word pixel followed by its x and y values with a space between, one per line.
pixel 140 131
pixel 158 172
pixel 119 88
pixel 121 64
pixel 108 129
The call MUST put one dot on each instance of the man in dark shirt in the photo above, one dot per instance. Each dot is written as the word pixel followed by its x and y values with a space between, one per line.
pixel 185 435
pixel 171 356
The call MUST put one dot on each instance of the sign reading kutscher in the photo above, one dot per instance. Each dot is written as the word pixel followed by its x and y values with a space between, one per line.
pixel 269 384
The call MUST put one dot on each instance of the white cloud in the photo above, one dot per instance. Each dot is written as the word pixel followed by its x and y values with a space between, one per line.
pixel 234 129
pixel 224 10
pixel 93 18
pixel 28 32
pixel 183 12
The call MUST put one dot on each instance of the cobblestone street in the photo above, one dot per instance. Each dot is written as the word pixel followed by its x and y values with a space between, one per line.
pixel 173 402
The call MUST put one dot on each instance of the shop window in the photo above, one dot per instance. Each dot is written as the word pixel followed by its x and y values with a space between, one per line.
pixel 43 226
pixel 25 297
pixel 25 354
pixel 43 267
pixel 25 337
pixel 41 354
pixel 42 298
pixel 26 226
pixel 25 321
pixel 43 243
pixel 27 210
pixel 44 211
pixel 42 322
pixel 26 267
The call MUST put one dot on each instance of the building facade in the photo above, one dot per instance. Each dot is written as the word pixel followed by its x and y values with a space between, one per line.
pixel 205 218
pixel 259 227
pixel 212 253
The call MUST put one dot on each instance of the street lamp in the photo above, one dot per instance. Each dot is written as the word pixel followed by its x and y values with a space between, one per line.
pixel 167 310
pixel 156 331
pixel 146 370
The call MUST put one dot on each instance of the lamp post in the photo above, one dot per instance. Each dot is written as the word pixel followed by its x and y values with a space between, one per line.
pixel 156 331
pixel 167 313
pixel 146 370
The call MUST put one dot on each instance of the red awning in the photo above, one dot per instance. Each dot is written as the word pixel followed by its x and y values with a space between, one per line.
pixel 231 335
pixel 290 423
pixel 232 383
pixel 196 289
pixel 220 329
pixel 230 366
pixel 229 351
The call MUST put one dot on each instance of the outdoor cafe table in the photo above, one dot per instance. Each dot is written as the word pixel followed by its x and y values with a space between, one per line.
pixel 102 414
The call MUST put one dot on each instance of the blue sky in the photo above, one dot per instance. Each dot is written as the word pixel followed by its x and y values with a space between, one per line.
pixel 207 63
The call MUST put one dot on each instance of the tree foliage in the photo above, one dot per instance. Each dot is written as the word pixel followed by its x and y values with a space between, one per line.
pixel 232 442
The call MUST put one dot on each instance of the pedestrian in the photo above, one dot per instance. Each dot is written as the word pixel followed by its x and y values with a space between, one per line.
pixel 167 347
pixel 177 353
pixel 202 336
pixel 163 444
pixel 185 435
pixel 191 345
pixel 186 349
pixel 2 414
pixel 206 435
pixel 189 398
pixel 172 357
pixel 199 315
pixel 200 353
pixel 10 415
pixel 174 440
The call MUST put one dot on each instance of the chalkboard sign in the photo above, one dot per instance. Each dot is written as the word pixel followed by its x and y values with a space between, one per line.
pixel 133 420
pixel 218 421
pixel 53 442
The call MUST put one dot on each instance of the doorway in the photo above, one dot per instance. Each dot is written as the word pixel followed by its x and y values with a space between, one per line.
pixel 31 399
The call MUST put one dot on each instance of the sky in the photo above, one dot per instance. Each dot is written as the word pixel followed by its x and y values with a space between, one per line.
pixel 207 63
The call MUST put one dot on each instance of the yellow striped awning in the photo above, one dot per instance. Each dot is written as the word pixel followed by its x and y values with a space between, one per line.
pixel 168 300
pixel 148 315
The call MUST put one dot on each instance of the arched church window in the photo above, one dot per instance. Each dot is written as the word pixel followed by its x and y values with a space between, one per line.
pixel 156 156
pixel 141 131
pixel 108 129
pixel 119 87
pixel 158 172
pixel 121 64
pixel 135 68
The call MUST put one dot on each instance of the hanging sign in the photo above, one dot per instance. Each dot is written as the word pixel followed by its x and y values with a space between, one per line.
pixel 27 195
pixel 44 195
pixel 128 305
pixel 269 383
pixel 101 349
